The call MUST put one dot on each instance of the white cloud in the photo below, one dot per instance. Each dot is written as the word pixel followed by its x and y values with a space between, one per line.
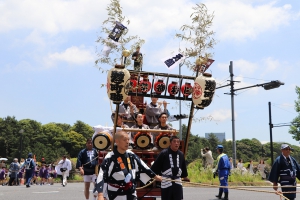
pixel 73 55
pixel 240 66
pixel 271 64
pixel 51 16
pixel 221 115
pixel 239 20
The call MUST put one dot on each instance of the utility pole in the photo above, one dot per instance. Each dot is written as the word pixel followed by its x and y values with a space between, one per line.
pixel 271 135
pixel 232 113
pixel 266 86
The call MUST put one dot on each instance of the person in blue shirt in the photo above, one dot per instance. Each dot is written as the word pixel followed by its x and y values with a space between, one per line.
pixel 222 169
pixel 29 166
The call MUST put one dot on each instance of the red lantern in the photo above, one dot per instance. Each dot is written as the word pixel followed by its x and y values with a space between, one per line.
pixel 133 83
pixel 159 86
pixel 145 85
pixel 186 89
pixel 173 88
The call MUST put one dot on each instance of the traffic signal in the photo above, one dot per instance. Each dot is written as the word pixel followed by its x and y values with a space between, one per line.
pixel 182 116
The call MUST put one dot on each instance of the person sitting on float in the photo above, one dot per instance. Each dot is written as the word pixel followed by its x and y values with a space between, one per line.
pixel 154 110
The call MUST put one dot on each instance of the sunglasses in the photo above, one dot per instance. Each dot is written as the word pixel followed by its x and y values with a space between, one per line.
pixel 288 149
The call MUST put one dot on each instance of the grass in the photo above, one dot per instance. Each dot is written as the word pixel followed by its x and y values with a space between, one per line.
pixel 198 174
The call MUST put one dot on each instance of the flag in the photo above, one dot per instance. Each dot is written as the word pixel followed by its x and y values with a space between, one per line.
pixel 172 61
pixel 204 66
pixel 117 32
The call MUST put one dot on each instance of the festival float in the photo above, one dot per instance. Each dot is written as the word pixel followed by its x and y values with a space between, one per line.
pixel 197 90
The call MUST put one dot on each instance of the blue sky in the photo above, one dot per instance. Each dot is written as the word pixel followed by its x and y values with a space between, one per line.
pixel 48 50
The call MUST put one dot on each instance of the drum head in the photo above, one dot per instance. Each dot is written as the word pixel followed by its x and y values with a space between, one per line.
pixel 101 142
pixel 142 141
pixel 163 142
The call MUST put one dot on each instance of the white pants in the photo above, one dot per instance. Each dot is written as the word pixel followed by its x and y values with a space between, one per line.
pixel 64 178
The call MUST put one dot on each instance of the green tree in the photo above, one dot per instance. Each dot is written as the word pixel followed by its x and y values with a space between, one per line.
pixel 213 142
pixel 74 143
pixel 295 128
pixel 84 129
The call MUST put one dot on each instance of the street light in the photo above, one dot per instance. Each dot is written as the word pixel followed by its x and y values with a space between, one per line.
pixel 21 143
pixel 266 86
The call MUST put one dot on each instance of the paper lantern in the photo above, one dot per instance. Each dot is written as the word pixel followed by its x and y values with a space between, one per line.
pixel 159 86
pixel 173 88
pixel 133 82
pixel 203 90
pixel 145 85
pixel 118 83
pixel 186 89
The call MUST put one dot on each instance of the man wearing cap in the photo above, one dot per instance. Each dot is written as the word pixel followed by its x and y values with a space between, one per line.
pixel 29 166
pixel 222 169
pixel 285 169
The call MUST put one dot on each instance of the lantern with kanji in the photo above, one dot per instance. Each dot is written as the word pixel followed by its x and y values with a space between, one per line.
pixel 117 79
pixel 186 89
pixel 159 86
pixel 145 85
pixel 173 88
pixel 203 90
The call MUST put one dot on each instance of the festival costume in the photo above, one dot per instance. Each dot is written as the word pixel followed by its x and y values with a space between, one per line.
pixel 124 110
pixel 223 170
pixel 171 165
pixel 118 174
pixel 152 113
pixel 63 168
pixel 87 160
pixel 285 170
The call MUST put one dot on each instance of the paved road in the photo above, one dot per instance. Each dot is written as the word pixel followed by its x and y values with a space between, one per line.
pixel 74 191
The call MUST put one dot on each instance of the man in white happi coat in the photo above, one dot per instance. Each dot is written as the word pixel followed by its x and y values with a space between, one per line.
pixel 63 168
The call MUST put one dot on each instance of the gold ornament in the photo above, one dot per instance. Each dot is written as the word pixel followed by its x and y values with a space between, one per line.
pixel 126 53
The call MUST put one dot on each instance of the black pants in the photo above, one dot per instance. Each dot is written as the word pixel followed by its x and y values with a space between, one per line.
pixel 290 196
pixel 173 192
pixel 12 179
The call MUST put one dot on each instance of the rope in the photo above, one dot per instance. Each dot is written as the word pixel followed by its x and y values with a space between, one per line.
pixel 146 185
pixel 235 188
pixel 91 160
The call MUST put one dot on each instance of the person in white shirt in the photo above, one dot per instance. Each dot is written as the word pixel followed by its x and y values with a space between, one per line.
pixel 63 168
pixel 207 154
